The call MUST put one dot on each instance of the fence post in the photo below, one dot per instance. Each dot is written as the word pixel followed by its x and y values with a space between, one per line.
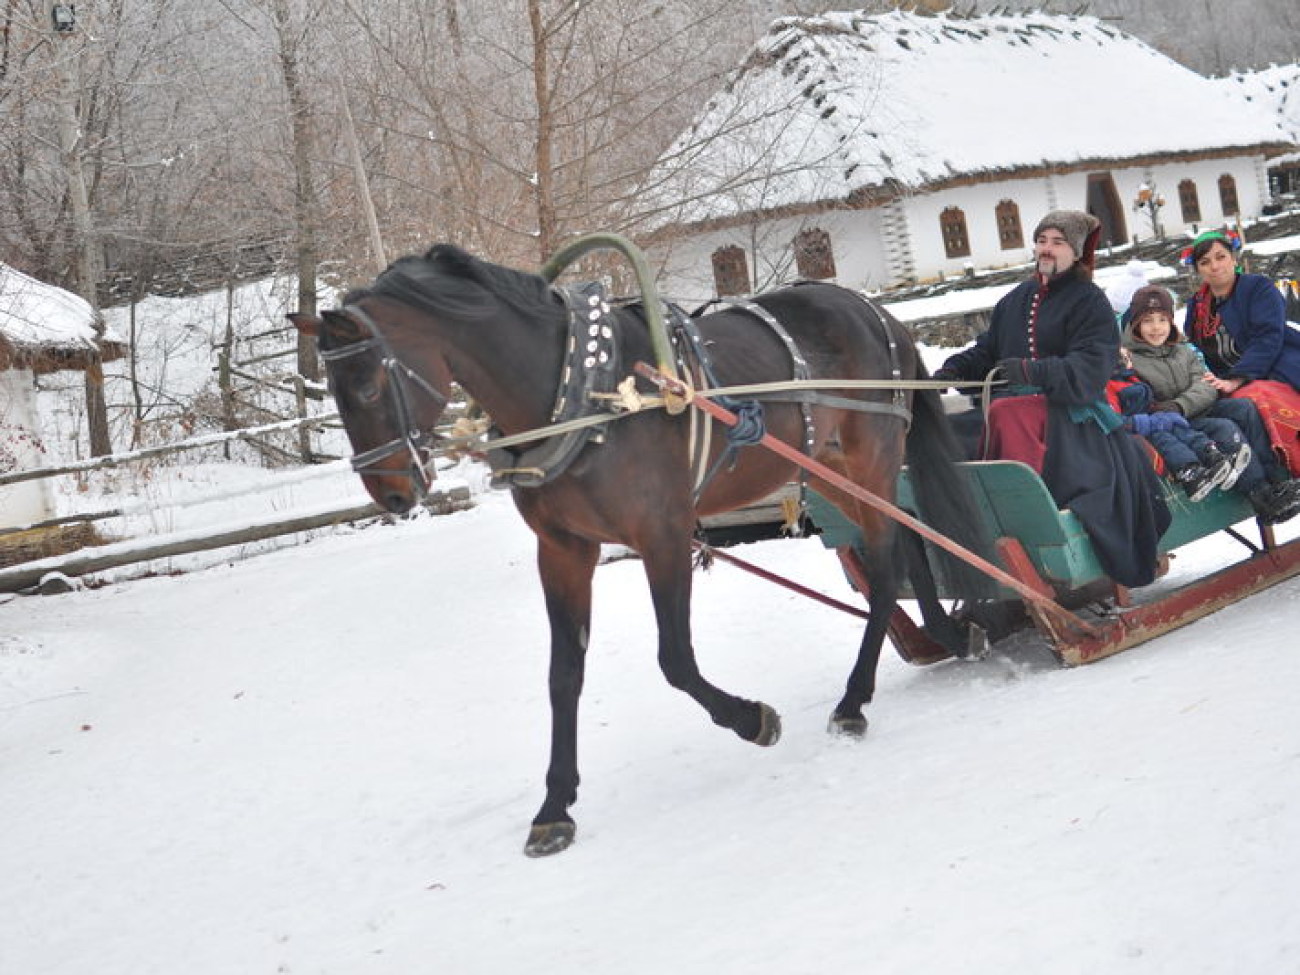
pixel 225 381
pixel 304 432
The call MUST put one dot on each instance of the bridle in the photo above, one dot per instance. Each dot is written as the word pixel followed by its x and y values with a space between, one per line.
pixel 403 381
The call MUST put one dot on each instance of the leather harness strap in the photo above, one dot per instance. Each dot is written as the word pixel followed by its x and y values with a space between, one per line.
pixel 590 361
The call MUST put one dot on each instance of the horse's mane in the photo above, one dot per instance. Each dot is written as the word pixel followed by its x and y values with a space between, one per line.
pixel 449 281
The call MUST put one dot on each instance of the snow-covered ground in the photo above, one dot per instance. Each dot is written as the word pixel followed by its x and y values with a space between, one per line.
pixel 324 759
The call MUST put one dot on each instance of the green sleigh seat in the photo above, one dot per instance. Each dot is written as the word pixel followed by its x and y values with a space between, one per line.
pixel 1014 502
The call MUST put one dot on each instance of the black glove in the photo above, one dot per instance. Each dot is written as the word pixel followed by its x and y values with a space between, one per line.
pixel 944 374
pixel 1015 371
pixel 1165 406
pixel 1134 398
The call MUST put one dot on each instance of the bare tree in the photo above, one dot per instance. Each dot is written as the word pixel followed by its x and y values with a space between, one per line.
pixel 291 34
pixel 536 122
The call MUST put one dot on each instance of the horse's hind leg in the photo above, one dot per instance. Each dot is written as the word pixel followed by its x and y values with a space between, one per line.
pixel 566 565
pixel 668 570
pixel 960 639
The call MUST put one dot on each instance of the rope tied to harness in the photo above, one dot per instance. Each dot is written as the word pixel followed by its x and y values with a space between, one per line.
pixel 748 431
pixel 750 425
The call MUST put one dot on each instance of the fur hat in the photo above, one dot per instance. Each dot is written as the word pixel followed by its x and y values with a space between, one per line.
pixel 1077 227
pixel 1152 298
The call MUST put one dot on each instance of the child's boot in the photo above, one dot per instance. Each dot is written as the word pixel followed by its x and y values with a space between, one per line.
pixel 1198 481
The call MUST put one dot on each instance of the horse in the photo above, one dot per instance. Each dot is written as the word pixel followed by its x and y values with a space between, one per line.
pixel 393 349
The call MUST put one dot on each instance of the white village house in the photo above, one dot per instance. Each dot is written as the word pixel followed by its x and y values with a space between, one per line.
pixel 884 150
pixel 1275 89
pixel 42 329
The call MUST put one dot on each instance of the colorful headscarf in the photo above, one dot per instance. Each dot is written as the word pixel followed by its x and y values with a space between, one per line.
pixel 1229 238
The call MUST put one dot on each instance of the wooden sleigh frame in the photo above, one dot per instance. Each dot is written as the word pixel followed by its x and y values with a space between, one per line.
pixel 1047 549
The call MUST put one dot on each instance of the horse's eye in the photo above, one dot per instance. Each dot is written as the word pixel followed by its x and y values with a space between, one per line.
pixel 368 393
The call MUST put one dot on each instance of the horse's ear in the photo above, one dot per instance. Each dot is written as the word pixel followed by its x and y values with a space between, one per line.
pixel 307 324
pixel 340 326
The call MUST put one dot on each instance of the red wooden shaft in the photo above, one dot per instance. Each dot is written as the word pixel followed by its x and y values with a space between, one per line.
pixel 762 573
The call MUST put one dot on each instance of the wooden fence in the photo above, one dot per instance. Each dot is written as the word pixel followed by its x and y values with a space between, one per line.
pixel 29 572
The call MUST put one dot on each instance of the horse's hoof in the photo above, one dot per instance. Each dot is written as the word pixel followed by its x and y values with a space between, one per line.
pixel 769 726
pixel 977 643
pixel 548 838
pixel 850 726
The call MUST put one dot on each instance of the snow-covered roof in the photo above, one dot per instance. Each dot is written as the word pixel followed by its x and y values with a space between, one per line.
pixel 45 327
pixel 1275 89
pixel 847 106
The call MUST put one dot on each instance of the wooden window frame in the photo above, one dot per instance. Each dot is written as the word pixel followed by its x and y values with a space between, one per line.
pixel 1189 199
pixel 813 256
pixel 1011 232
pixel 956 238
pixel 1228 199
pixel 731 271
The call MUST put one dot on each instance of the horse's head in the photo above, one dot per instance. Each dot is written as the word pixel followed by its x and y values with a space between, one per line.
pixel 389 401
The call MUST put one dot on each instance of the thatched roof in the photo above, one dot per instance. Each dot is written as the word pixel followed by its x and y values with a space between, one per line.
pixel 846 108
pixel 1275 89
pixel 44 328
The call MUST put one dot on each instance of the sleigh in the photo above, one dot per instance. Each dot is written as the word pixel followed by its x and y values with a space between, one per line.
pixel 1046 549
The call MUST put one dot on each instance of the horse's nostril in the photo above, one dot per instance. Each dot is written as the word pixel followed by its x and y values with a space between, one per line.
pixel 398 503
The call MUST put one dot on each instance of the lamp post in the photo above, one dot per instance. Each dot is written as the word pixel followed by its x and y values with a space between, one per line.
pixel 1150 201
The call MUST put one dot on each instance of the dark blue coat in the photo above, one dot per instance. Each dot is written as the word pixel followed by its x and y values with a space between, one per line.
pixel 1103 476
pixel 1254 316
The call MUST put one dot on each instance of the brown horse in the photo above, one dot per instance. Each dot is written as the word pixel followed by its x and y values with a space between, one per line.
pixel 506 336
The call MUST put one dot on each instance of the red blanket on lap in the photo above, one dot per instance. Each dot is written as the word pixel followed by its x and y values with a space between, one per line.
pixel 1017 430
pixel 1279 408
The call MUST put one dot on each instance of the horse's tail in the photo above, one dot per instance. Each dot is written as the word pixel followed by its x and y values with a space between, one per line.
pixel 943 494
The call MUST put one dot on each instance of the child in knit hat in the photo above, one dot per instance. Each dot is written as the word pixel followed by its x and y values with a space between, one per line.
pixel 1201 452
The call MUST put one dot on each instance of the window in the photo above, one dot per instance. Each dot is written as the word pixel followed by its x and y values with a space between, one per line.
pixel 1189 201
pixel 1228 195
pixel 813 256
pixel 730 271
pixel 952 222
pixel 1010 234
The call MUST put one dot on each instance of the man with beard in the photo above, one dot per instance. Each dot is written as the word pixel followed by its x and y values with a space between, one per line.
pixel 1054 342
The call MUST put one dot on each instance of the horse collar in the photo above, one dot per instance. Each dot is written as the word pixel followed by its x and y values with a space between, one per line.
pixel 591 356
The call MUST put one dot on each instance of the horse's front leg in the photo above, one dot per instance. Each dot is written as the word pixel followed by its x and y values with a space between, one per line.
pixel 668 570
pixel 566 566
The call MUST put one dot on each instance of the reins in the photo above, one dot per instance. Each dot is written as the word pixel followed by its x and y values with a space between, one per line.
pixel 627 401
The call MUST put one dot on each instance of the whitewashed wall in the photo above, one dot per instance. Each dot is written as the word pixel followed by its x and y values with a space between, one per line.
pixel 1249 172
pixel 979 204
pixel 28 501
pixel 862 240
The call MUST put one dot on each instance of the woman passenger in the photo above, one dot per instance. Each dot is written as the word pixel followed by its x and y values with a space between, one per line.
pixel 1238 321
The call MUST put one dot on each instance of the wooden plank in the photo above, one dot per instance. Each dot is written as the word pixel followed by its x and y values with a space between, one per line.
pixel 118 554
pixel 208 440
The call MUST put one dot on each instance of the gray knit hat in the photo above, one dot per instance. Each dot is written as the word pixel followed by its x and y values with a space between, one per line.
pixel 1074 224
